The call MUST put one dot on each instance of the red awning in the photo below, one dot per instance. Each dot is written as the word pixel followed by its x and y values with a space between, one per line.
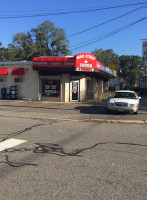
pixel 54 62
pixel 3 71
pixel 18 71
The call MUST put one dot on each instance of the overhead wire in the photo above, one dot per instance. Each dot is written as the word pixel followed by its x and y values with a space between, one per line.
pixel 98 25
pixel 69 12
pixel 88 42
pixel 108 7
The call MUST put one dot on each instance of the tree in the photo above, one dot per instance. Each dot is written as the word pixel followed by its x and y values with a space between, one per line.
pixel 2 49
pixel 3 53
pixel 49 40
pixel 23 46
pixel 131 67
pixel 107 57
pixel 45 40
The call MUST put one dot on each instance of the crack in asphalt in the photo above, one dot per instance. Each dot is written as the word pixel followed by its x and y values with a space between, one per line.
pixel 25 130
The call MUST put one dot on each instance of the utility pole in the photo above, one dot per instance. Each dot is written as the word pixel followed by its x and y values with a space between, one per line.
pixel 144 57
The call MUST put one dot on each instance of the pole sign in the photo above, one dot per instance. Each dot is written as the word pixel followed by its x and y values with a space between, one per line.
pixel 144 50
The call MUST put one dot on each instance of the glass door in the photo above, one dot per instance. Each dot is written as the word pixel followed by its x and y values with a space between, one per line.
pixel 74 90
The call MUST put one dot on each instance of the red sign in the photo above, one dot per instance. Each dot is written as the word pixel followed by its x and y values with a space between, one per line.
pixel 80 62
pixel 84 69
pixel 100 66
pixel 54 62
pixel 88 62
pixel 85 60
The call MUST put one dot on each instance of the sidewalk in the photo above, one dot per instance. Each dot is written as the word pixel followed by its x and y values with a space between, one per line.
pixel 90 111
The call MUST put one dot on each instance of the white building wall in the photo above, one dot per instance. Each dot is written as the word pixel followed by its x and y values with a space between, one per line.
pixel 26 89
pixel 65 84
pixel 83 88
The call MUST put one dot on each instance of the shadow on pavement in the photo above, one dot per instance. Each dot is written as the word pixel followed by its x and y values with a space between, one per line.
pixel 101 108
pixel 94 109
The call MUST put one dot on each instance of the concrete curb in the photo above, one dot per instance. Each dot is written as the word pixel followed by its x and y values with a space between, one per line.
pixel 120 121
pixel 82 120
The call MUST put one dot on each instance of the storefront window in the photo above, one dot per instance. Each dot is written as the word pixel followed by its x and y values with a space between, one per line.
pixel 51 88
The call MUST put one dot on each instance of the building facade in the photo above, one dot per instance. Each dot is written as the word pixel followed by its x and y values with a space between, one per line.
pixel 63 79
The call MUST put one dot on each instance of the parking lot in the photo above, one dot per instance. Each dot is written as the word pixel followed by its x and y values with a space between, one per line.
pixel 52 159
pixel 58 151
pixel 70 111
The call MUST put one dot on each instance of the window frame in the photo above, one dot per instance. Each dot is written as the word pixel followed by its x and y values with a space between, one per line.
pixel 21 79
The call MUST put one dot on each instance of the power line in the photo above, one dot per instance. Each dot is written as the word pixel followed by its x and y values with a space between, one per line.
pixel 104 22
pixel 108 34
pixel 88 42
pixel 70 12
pixel 22 11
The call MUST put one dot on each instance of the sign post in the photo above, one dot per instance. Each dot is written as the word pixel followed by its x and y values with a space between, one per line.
pixel 144 57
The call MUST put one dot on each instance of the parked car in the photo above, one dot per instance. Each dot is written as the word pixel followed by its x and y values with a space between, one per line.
pixel 124 101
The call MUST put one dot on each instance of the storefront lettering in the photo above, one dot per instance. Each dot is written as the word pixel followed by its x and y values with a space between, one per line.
pixel 69 63
pixel 51 88
pixel 51 91
pixel 55 63
pixel 47 86
pixel 85 69
pixel 40 63
pixel 90 57
pixel 85 65
pixel 86 56
pixel 80 56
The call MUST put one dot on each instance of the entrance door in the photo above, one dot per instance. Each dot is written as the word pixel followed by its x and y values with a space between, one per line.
pixel 74 90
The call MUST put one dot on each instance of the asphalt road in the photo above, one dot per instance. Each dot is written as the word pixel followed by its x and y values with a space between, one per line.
pixel 73 111
pixel 73 160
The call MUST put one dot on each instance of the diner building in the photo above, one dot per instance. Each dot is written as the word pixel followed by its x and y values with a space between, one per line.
pixel 76 78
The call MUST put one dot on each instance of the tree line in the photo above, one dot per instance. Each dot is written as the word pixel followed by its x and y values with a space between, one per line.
pixel 44 40
pixel 48 40
pixel 128 67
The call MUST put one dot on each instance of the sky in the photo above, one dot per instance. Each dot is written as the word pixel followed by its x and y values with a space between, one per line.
pixel 125 42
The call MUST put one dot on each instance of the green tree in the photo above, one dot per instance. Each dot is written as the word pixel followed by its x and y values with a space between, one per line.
pixel 131 67
pixel 107 57
pixel 49 40
pixel 45 40
pixel 23 46
pixel 2 50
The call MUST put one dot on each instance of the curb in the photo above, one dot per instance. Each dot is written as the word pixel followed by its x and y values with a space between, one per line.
pixel 120 121
pixel 82 120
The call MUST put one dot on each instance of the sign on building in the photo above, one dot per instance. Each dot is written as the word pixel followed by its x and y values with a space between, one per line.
pixel 144 50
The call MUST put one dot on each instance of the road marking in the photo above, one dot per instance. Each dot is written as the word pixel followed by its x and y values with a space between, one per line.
pixel 10 143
